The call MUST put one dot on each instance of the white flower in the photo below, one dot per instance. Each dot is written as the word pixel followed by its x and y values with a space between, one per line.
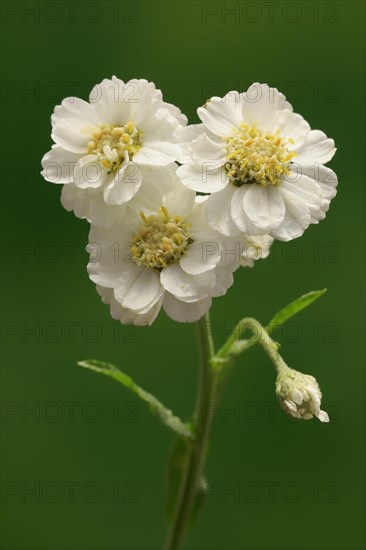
pixel 249 248
pixel 165 256
pixel 262 163
pixel 299 395
pixel 101 146
pixel 254 248
pixel 89 203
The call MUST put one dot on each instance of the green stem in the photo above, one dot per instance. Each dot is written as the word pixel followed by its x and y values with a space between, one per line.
pixel 192 476
pixel 234 345
pixel 214 371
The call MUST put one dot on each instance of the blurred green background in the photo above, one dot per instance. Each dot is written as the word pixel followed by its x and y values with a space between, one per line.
pixel 93 456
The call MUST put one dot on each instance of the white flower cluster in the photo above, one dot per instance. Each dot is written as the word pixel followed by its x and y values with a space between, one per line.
pixel 132 167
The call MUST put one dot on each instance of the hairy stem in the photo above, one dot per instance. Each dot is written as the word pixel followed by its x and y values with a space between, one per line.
pixel 234 345
pixel 214 371
pixel 192 476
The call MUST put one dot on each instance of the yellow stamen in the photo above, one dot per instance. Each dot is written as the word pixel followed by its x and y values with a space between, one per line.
pixel 161 241
pixel 120 139
pixel 143 217
pixel 256 157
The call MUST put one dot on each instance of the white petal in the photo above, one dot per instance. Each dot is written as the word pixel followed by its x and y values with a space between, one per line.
pixel 235 101
pixel 307 191
pixel 107 266
pixel 317 148
pixel 58 165
pixel 179 201
pixel 297 396
pixel 159 128
pixel 73 198
pixel 144 98
pixel 218 211
pixel 220 116
pixel 105 293
pixel 108 239
pixel 199 229
pixel 157 298
pixel 224 280
pixel 120 234
pixel 89 173
pixel 255 248
pixel 205 149
pixel 70 138
pixel 157 153
pixel 176 113
pixel 314 394
pixel 128 273
pixel 108 274
pixel 157 181
pixel 164 177
pixel 75 112
pixel 104 215
pixel 108 99
pixel 292 408
pixel 112 154
pixel 141 291
pixel 89 203
pixel 297 218
pixel 324 176
pixel 238 214
pixel 201 257
pixel 184 136
pixel 124 184
pixel 188 288
pixel 129 316
pixel 323 416
pixel 231 250
pixel 260 104
pixel 264 207
pixel 291 125
pixel 184 312
pixel 205 177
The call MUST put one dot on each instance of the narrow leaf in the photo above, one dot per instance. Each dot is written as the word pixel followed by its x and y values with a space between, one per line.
pixel 165 415
pixel 293 308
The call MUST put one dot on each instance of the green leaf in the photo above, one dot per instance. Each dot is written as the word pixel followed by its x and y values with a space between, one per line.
pixel 165 415
pixel 293 308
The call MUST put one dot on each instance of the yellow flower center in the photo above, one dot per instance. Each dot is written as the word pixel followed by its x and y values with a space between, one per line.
pixel 254 156
pixel 161 241
pixel 111 143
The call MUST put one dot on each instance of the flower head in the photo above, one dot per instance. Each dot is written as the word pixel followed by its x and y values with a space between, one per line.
pixel 299 395
pixel 251 248
pixel 102 146
pixel 161 241
pixel 262 164
pixel 164 254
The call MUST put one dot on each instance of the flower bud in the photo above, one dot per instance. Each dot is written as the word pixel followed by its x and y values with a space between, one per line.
pixel 299 395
